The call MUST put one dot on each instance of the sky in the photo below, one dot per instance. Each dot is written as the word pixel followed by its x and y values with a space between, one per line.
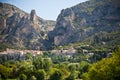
pixel 46 9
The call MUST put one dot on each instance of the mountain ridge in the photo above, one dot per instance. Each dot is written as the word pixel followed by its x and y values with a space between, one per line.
pixel 23 30
pixel 94 22
pixel 87 20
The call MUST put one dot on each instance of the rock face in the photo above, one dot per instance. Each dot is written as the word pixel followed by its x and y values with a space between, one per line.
pixel 92 21
pixel 33 17
pixel 19 29
pixel 86 20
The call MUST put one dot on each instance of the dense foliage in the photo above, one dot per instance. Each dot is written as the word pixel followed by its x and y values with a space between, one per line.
pixel 106 69
pixel 59 67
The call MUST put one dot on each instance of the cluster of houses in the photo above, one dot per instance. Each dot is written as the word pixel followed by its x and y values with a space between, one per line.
pixel 67 52
pixel 71 51
pixel 22 52
pixel 19 54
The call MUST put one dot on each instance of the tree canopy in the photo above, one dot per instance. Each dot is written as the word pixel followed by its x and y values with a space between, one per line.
pixel 106 69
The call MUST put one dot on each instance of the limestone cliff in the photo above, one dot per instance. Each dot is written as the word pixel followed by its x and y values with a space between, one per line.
pixel 86 20
pixel 19 29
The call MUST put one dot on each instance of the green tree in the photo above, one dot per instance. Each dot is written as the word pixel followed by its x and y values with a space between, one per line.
pixel 72 67
pixel 62 66
pixel 47 64
pixel 106 69
pixel 38 62
pixel 33 78
pixel 83 67
pixel 22 77
pixel 26 68
pixel 40 74
pixel 65 72
pixel 5 72
pixel 72 76
pixel 57 75
pixel 29 56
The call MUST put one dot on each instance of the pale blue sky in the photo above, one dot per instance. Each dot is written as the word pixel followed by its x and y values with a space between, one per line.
pixel 46 9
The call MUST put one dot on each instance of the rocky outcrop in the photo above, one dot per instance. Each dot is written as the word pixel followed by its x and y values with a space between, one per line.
pixel 33 16
pixel 19 29
pixel 92 21
pixel 86 20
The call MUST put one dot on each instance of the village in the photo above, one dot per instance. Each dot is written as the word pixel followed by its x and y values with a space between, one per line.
pixel 18 54
pixel 69 53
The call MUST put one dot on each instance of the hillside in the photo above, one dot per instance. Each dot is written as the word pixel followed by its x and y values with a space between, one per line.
pixel 95 22
pixel 21 30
